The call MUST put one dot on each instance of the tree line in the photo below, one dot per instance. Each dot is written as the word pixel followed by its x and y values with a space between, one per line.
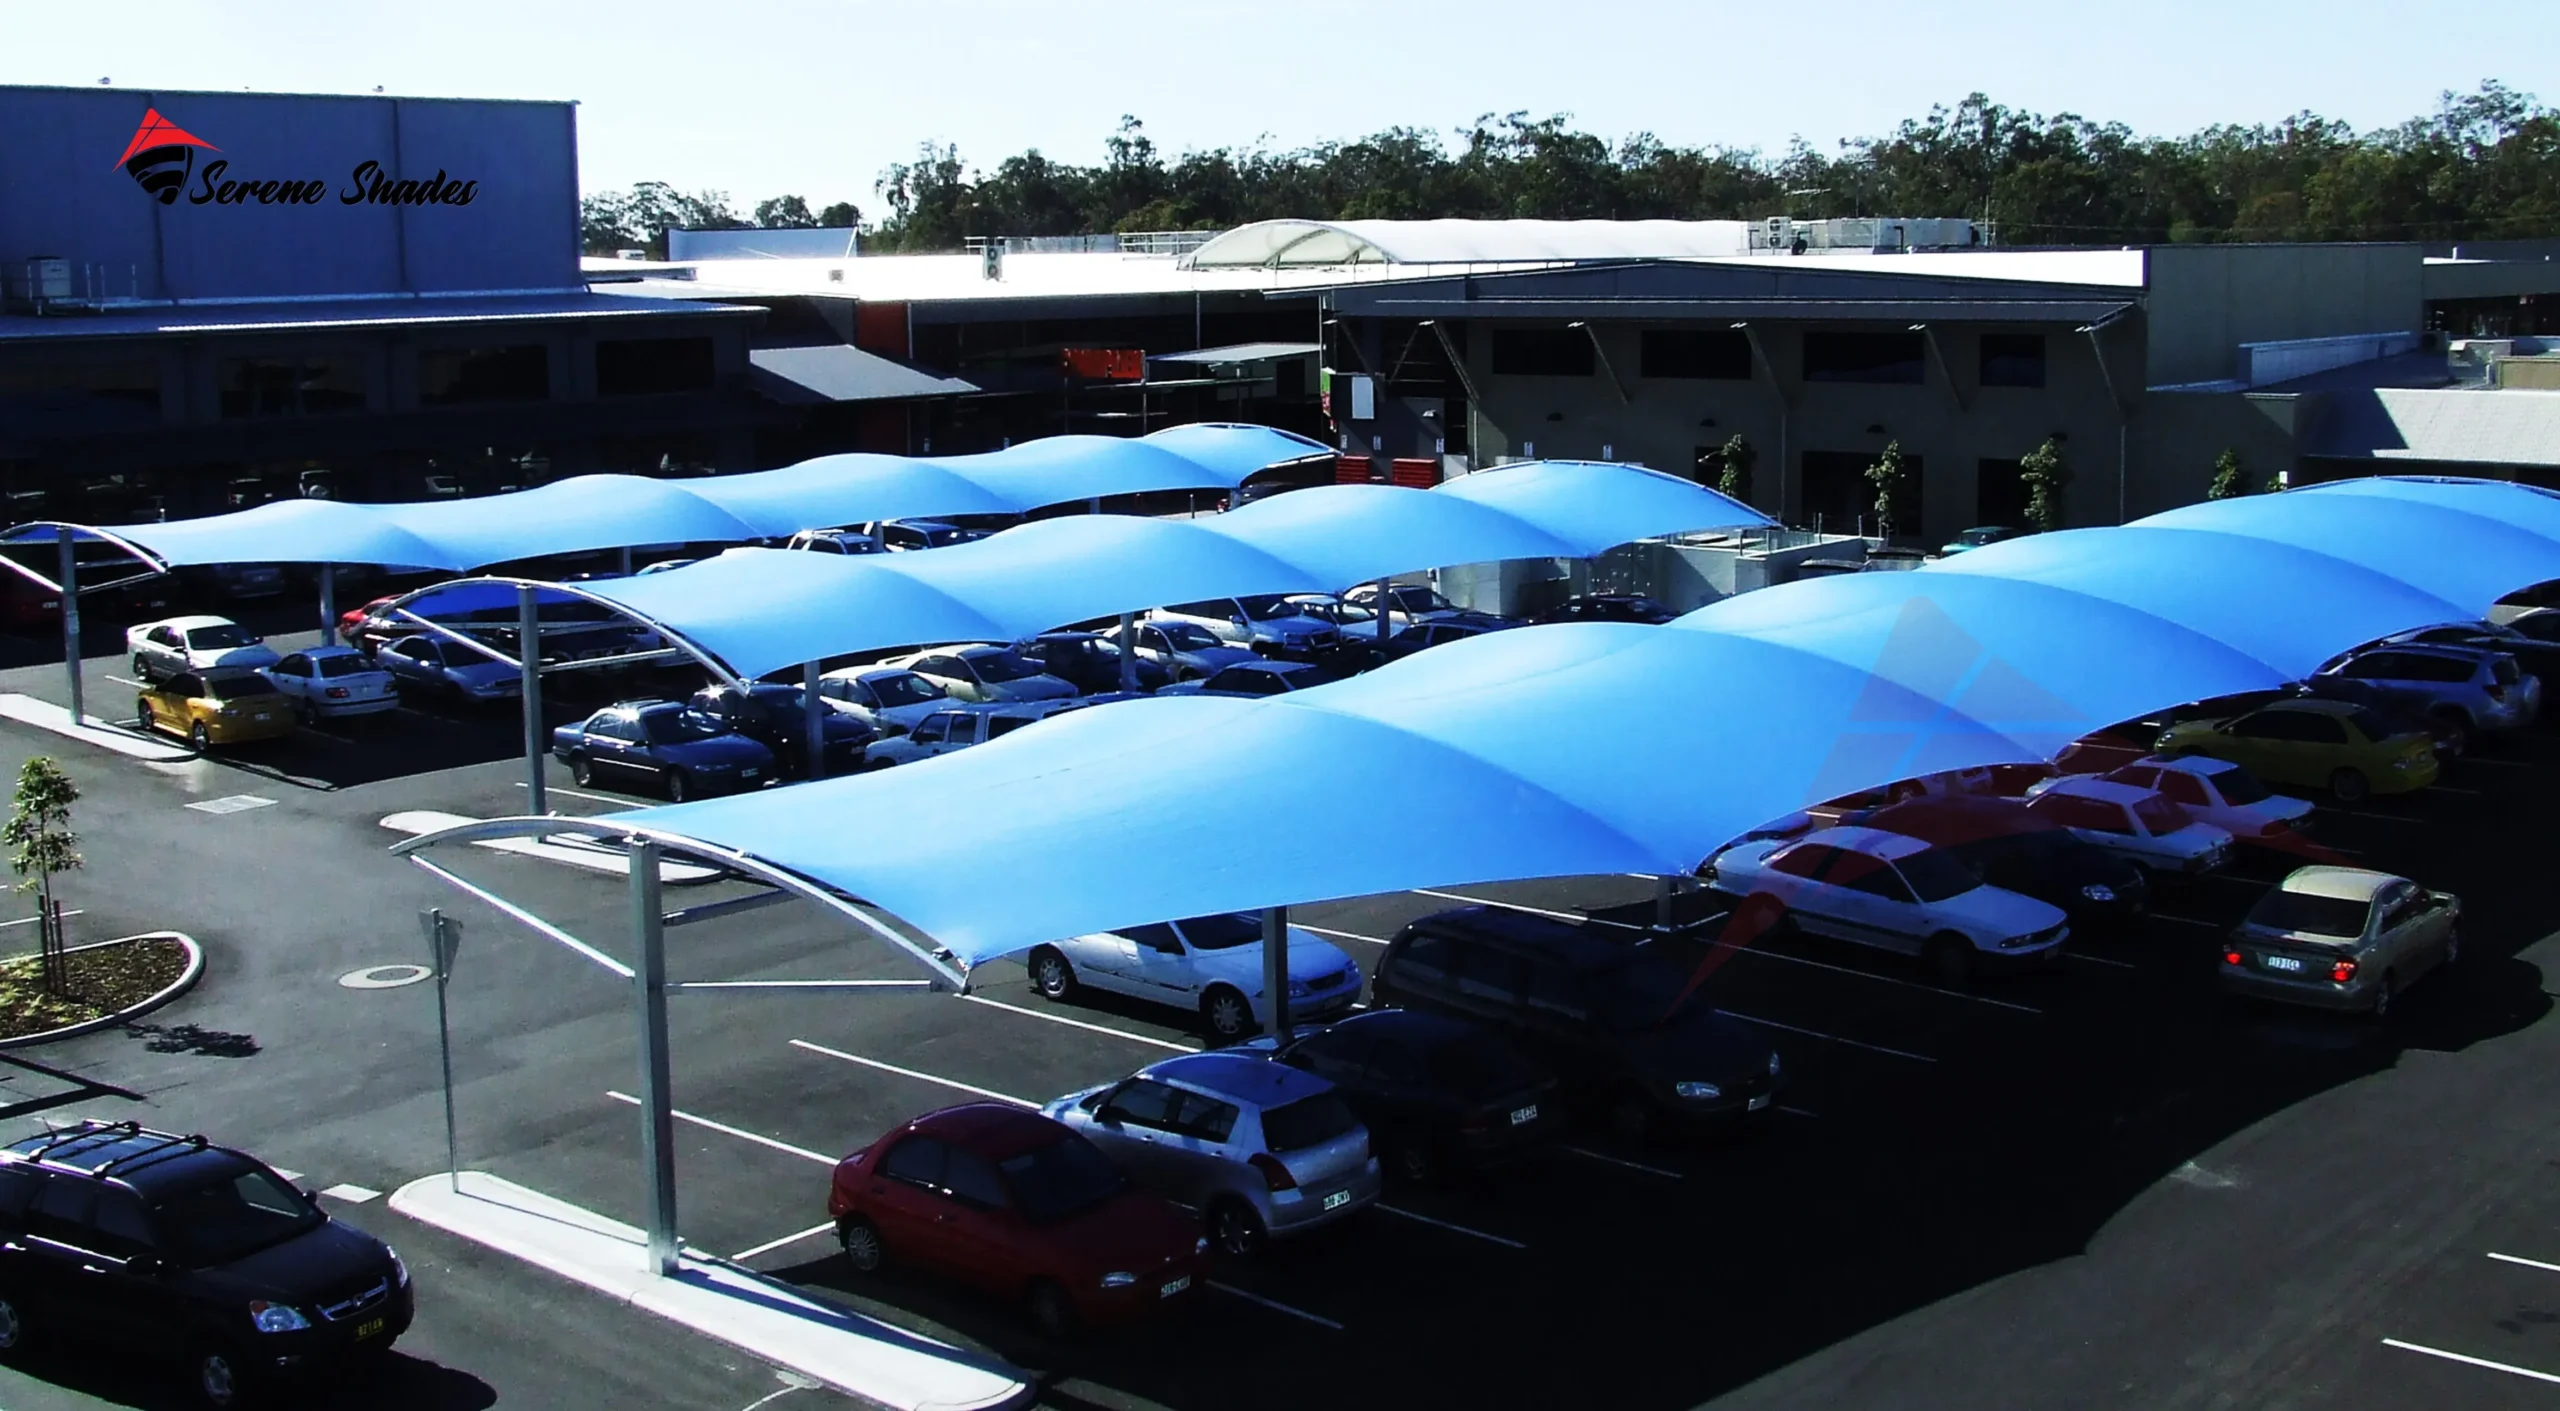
pixel 2484 165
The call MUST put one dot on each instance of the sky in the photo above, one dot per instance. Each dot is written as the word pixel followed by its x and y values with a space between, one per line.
pixel 762 97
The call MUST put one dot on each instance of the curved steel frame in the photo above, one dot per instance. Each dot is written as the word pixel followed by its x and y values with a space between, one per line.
pixel 703 658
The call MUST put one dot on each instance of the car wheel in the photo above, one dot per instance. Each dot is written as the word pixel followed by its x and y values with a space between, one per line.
pixel 306 712
pixel 2453 734
pixel 2348 785
pixel 1950 958
pixel 13 1326
pixel 219 1379
pixel 1234 1229
pixel 199 737
pixel 678 789
pixel 1051 974
pixel 1230 1016
pixel 1052 1312
pixel 142 713
pixel 2383 995
pixel 582 771
pixel 1413 1161
pixel 141 668
pixel 862 1247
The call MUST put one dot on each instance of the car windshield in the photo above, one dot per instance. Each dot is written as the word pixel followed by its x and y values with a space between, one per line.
pixel 228 634
pixel 239 688
pixel 1293 1126
pixel 2309 915
pixel 675 727
pixel 1222 932
pixel 903 688
pixel 1479 1067
pixel 343 666
pixel 2158 815
pixel 231 1216
pixel 1936 875
pixel 1061 1179
pixel 1002 666
pixel 1268 608
pixel 1414 598
pixel 2371 724
pixel 1189 637
pixel 2237 786
pixel 1639 994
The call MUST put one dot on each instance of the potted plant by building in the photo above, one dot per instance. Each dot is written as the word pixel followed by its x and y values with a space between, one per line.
pixel 1891 477
pixel 1734 481
pixel 2047 478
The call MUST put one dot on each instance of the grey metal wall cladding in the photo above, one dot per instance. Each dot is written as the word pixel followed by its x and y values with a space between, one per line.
pixel 460 195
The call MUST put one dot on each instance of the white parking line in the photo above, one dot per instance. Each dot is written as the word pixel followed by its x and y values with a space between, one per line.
pixel 2099 960
pixel 291 1178
pixel 1081 1024
pixel 1338 935
pixel 769 1246
pixel 2471 1361
pixel 1443 1224
pixel 122 680
pixel 1834 1038
pixel 1573 916
pixel 352 1195
pixel 574 794
pixel 2528 1263
pixel 1622 1161
pixel 1795 1111
pixel 68 913
pixel 911 1073
pixel 2186 920
pixel 740 1133
pixel 1276 1307
pixel 1880 979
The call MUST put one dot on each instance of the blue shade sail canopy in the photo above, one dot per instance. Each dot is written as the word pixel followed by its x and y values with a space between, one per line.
pixel 2525 506
pixel 616 511
pixel 2413 540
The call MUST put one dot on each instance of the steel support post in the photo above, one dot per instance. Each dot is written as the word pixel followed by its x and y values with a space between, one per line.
pixel 1383 601
pixel 529 663
pixel 69 578
pixel 328 605
pixel 1275 971
pixel 1665 888
pixel 657 1099
pixel 1128 651
pixel 626 560
pixel 813 719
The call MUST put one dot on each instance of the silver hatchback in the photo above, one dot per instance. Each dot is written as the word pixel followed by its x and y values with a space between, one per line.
pixel 1262 1150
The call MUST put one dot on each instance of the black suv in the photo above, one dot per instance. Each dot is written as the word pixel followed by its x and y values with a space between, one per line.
pixel 143 1240
pixel 1619 1023
pixel 776 716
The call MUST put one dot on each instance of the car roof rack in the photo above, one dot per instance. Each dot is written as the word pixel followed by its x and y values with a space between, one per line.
pixel 64 1136
pixel 167 1146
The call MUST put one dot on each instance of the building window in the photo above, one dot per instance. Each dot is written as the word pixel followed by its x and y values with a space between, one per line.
pixel 2013 360
pixel 1721 353
pixel 1863 357
pixel 452 377
pixel 1542 352
pixel 312 385
pixel 634 367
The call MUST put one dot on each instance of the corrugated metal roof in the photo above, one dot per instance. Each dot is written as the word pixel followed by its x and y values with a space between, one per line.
pixel 300 315
pixel 841 373
pixel 2510 427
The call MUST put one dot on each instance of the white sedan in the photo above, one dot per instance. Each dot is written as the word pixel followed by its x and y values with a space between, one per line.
pixel 2217 792
pixel 1896 893
pixel 200 644
pixel 2134 823
pixel 982 671
pixel 333 681
pixel 1210 965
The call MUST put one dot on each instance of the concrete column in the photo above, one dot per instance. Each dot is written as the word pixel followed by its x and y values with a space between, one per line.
pixel 68 575
pixel 813 719
pixel 529 664
pixel 328 605
pixel 1275 972
pixel 657 1100
pixel 1128 651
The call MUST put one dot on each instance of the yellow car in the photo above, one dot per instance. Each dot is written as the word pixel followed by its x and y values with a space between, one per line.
pixel 215 710
pixel 2345 748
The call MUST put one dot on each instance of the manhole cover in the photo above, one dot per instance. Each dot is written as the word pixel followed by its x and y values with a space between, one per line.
pixel 384 977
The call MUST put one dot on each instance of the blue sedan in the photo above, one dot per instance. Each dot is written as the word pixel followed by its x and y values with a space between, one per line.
pixel 664 746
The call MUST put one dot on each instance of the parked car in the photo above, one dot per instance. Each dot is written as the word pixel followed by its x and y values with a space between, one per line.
pixel 959 727
pixel 1209 965
pixel 2220 793
pixel 2342 938
pixel 984 673
pixel 2348 749
pixel 1088 661
pixel 1899 894
pixel 1406 602
pixel 663 566
pixel 1438 1095
pixel 1261 1150
pixel 1351 620
pixel 776 716
pixel 161 1246
pixel 199 644
pixel 2450 740
pixel 1980 536
pixel 2019 850
pixel 24 607
pixel 908 535
pixel 1620 1024
pixel 1256 678
pixel 2137 824
pixel 328 682
pixel 1440 631
pixel 1270 625
pixel 443 667
pixel 2467 691
pixel 234 709
pixel 366 628
pixel 1609 607
pixel 2541 597
pixel 1019 1207
pixel 664 745
pixel 1187 650
pixel 835 541
pixel 892 698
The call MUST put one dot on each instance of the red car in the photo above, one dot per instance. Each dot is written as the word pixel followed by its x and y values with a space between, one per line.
pixel 1019 1206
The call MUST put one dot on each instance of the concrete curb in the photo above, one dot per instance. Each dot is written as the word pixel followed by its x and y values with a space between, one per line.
pixel 186 981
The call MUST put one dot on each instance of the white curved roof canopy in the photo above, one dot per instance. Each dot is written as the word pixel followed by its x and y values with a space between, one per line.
pixel 1316 244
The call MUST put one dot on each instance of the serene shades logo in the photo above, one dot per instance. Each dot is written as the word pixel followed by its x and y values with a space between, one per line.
pixel 161 157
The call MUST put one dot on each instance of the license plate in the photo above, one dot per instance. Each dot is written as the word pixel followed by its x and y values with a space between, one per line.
pixel 368 1327
pixel 747 773
pixel 263 717
pixel 1759 1102
pixel 1337 1200
pixel 1523 1115
pixel 2279 962
pixel 1174 1287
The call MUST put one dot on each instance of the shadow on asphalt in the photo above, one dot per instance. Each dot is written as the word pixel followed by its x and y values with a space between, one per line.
pixel 150 1383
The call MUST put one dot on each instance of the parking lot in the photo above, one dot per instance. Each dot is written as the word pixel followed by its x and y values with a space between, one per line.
pixel 2097 1185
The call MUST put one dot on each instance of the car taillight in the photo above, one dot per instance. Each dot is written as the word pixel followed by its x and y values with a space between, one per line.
pixel 337 693
pixel 1274 1174
pixel 2231 957
pixel 2497 693
pixel 2342 972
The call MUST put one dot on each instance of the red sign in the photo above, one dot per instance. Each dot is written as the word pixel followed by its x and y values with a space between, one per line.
pixel 1105 364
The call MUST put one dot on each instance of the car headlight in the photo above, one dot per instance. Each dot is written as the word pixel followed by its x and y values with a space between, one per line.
pixel 1118 1279
pixel 399 1266
pixel 1299 990
pixel 275 1317
pixel 1773 1063
pixel 2405 762
pixel 1200 1245
pixel 1697 1091
pixel 2098 891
